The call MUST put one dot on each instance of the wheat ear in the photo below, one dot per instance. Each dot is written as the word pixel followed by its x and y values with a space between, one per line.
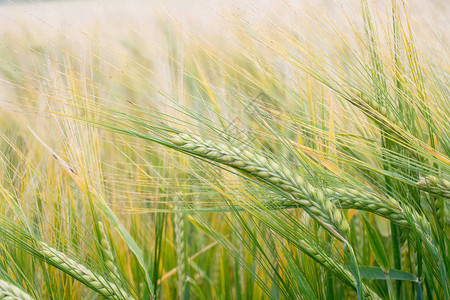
pixel 180 251
pixel 266 170
pixel 9 291
pixel 98 283
pixel 269 171
pixel 436 185
pixel 284 179
pixel 107 251
pixel 322 206
pixel 319 255
pixel 381 109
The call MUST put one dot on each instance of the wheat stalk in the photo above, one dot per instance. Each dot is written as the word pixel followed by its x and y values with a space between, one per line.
pixel 9 291
pixel 107 289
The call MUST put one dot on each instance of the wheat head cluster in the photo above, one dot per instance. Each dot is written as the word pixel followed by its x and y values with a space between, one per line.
pixel 224 150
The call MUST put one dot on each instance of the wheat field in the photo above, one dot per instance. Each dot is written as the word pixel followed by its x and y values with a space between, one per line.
pixel 224 149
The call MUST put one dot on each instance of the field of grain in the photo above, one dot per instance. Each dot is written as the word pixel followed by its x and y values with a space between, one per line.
pixel 224 149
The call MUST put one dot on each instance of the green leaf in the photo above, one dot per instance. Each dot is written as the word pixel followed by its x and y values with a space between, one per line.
pixel 376 245
pixel 376 273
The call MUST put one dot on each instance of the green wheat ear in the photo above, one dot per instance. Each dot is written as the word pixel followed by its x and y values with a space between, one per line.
pixel 9 291
pixel 321 203
pixel 80 272
pixel 107 252
pixel 312 199
pixel 436 185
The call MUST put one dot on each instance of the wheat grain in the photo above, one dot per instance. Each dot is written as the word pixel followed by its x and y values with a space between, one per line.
pixel 439 187
pixel 441 212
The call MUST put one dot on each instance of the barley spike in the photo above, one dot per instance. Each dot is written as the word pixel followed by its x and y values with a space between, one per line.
pixel 9 291
pixel 266 170
pixel 107 289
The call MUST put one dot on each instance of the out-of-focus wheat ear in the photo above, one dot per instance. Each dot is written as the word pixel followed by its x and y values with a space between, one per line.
pixel 357 230
pixel 180 250
pixel 360 100
pixel 406 257
pixel 8 291
pixel 436 185
pixel 107 252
